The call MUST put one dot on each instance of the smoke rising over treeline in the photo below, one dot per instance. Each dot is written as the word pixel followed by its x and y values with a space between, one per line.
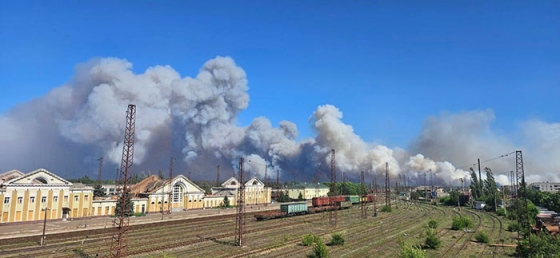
pixel 194 120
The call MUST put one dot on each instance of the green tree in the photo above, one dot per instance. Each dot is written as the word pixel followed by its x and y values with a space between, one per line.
pixel 283 197
pixel 432 240
pixel 490 189
pixel 415 195
pixel 300 197
pixel 98 191
pixel 226 203
pixel 476 187
pixel 161 175
pixel 128 207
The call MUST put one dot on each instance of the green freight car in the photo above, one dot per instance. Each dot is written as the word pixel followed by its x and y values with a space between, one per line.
pixel 343 205
pixel 294 208
pixel 353 198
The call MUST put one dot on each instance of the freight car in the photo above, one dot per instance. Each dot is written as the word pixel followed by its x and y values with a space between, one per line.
pixel 352 198
pixel 326 201
pixel 343 205
pixel 286 210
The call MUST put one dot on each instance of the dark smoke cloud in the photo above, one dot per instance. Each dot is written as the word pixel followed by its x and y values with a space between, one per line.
pixel 193 119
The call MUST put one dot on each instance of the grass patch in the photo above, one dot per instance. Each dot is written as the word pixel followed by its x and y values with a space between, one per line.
pixel 460 223
pixel 482 237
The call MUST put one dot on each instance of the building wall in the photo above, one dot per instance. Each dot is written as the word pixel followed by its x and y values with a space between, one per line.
pixel 308 193
pixel 29 203
pixel 546 186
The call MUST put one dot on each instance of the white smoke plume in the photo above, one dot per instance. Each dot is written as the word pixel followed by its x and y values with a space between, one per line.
pixel 194 119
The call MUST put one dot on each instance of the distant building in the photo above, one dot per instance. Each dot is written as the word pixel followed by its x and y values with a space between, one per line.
pixel 255 192
pixel 307 191
pixel 546 186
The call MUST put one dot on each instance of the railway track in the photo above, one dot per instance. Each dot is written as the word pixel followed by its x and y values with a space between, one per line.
pixel 462 237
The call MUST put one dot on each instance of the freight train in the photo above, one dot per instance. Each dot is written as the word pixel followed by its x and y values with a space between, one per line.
pixel 319 204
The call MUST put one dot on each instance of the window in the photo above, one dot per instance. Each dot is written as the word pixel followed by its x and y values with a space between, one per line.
pixel 177 193
pixel 6 200
pixel 86 197
pixel 32 199
pixel 55 198
pixel 66 198
pixel 76 198
pixel 20 200
pixel 43 199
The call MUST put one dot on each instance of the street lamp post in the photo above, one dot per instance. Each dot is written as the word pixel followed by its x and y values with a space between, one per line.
pixel 44 226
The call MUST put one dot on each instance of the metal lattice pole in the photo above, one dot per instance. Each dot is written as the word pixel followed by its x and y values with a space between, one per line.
pixel 333 216
pixel 119 245
pixel 240 215
pixel 100 171
pixel 522 213
pixel 170 190
pixel 364 195
pixel 387 190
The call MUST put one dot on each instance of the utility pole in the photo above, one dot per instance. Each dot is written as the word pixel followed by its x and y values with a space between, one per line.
pixel 343 183
pixel 481 183
pixel 218 175
pixel 170 190
pixel 240 215
pixel 119 245
pixel 265 174
pixel 387 190
pixel 277 178
pixel 363 195
pixel 333 216
pixel 375 196
pixel 100 171
pixel 425 188
pixel 46 209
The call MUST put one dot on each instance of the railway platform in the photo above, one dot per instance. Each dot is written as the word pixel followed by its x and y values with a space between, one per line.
pixel 35 228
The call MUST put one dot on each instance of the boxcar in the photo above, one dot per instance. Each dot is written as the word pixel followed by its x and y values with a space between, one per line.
pixel 353 198
pixel 339 198
pixel 320 201
pixel 294 208
pixel 344 204
pixel 370 198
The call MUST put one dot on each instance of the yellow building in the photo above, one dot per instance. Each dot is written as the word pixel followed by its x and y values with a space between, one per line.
pixel 26 197
pixel 183 194
pixel 255 192
pixel 307 191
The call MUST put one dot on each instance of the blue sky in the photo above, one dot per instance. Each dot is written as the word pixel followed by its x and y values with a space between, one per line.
pixel 387 65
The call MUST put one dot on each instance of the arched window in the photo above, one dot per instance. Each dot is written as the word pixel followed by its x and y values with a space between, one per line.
pixel 42 180
pixel 177 193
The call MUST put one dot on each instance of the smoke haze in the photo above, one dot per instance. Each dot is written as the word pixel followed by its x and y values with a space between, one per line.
pixel 194 119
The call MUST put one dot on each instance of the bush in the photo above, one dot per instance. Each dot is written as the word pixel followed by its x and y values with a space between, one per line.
pixel 139 214
pixel 513 227
pixel 432 224
pixel 408 251
pixel 319 250
pixel 337 239
pixel 309 239
pixel 460 223
pixel 386 209
pixel 481 237
pixel 432 240
pixel 501 212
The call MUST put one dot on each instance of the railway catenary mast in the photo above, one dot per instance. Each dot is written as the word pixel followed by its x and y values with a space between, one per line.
pixel 170 190
pixel 333 216
pixel 522 213
pixel 240 215
pixel 387 190
pixel 363 195
pixel 100 171
pixel 119 243
pixel 218 175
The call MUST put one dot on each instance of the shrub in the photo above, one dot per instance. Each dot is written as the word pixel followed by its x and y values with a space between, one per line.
pixel 319 250
pixel 460 223
pixel 309 239
pixel 337 239
pixel 432 224
pixel 501 212
pixel 481 237
pixel 432 240
pixel 513 226
pixel 409 251
pixel 139 214
pixel 386 209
